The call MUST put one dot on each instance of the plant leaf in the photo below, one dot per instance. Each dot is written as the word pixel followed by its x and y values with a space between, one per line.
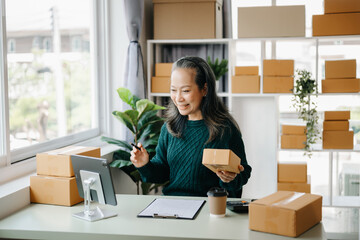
pixel 120 163
pixel 119 143
pixel 126 96
pixel 133 115
pixel 125 119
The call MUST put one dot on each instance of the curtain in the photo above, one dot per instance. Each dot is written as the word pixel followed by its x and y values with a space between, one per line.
pixel 134 72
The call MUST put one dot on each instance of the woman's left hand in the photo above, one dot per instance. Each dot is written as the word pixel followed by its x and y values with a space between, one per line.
pixel 226 176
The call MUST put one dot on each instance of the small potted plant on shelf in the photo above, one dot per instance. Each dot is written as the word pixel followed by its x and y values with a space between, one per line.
pixel 304 88
pixel 145 125
pixel 219 68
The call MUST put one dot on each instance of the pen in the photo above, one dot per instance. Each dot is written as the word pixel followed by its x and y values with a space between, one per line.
pixel 135 146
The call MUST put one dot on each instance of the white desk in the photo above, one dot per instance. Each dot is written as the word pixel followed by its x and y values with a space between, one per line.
pixel 38 221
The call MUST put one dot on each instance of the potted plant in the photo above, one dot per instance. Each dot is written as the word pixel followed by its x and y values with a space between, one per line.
pixel 219 68
pixel 304 88
pixel 143 122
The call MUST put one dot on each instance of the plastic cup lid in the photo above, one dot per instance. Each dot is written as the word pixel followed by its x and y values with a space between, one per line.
pixel 217 192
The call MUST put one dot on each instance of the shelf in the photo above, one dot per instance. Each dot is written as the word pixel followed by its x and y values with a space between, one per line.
pixel 318 148
pixel 227 40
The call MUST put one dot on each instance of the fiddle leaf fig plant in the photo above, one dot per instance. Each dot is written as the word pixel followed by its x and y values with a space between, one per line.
pixel 219 68
pixel 145 126
pixel 306 87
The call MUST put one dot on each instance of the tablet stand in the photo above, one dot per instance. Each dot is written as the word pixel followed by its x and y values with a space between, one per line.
pixel 92 181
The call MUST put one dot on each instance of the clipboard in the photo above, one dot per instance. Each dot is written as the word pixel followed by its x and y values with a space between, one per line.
pixel 173 208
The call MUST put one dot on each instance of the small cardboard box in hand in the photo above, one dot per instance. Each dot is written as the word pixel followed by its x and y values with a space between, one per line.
pixel 221 160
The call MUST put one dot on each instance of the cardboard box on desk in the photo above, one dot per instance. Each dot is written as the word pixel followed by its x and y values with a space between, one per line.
pixel 278 68
pixel 58 162
pixel 337 115
pixel 163 69
pixel 347 85
pixel 187 19
pixel 245 84
pixel 292 172
pixel 336 24
pixel 293 130
pixel 274 21
pixel 160 84
pixel 221 160
pixel 341 6
pixel 285 213
pixel 338 139
pixel 54 190
pixel 278 84
pixel 340 69
pixel 336 126
pixel 246 70
pixel 295 187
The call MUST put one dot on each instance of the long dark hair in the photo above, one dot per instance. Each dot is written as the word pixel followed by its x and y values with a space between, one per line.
pixel 214 111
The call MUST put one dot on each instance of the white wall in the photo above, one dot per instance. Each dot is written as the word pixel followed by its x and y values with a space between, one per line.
pixel 257 118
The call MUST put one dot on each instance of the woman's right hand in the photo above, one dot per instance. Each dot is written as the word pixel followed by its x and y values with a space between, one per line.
pixel 139 157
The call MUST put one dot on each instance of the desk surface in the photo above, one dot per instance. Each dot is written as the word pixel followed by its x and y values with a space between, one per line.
pixel 39 221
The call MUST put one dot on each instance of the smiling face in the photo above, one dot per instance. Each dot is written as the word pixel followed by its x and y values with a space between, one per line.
pixel 186 94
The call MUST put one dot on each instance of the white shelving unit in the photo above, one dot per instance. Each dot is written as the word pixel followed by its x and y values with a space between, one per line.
pixel 262 111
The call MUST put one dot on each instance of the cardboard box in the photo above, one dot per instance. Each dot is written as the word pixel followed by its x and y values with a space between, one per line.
pixel 336 24
pixel 340 68
pixel 341 6
pixel 163 69
pixel 245 84
pixel 278 68
pixel 186 19
pixel 274 21
pixel 285 213
pixel 293 130
pixel 338 139
pixel 292 172
pixel 347 85
pixel 58 162
pixel 337 115
pixel 293 141
pixel 278 84
pixel 295 187
pixel 336 126
pixel 54 190
pixel 241 70
pixel 221 160
pixel 160 84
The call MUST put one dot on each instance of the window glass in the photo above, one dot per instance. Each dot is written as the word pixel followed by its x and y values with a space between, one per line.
pixel 50 83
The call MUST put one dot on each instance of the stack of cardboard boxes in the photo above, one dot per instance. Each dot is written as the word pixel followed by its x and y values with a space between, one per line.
pixel 340 77
pixel 278 76
pixel 246 80
pixel 293 177
pixel 342 17
pixel 161 82
pixel 55 182
pixel 336 134
pixel 293 137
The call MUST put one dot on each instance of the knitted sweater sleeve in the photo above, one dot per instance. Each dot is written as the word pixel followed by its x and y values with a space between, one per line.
pixel 236 144
pixel 157 169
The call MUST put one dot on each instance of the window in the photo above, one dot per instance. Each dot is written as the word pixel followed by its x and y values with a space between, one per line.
pixel 11 46
pixel 50 87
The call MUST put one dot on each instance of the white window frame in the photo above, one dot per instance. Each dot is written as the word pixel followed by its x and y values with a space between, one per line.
pixel 21 160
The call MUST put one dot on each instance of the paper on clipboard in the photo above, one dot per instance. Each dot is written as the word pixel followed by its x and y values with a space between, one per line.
pixel 172 208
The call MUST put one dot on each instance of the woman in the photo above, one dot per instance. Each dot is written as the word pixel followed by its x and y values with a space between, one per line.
pixel 196 119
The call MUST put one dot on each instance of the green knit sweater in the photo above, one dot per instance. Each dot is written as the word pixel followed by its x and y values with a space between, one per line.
pixel 179 161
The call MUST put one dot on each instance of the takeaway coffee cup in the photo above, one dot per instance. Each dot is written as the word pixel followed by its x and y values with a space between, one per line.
pixel 217 201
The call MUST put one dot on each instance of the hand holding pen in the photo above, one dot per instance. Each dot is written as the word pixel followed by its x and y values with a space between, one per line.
pixel 139 155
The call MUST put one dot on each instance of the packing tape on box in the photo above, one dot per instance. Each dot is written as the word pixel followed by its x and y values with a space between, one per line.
pixel 59 152
pixel 288 199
